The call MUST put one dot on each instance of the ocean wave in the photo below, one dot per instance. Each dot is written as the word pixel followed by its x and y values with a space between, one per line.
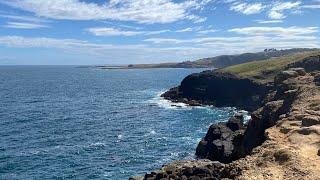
pixel 163 103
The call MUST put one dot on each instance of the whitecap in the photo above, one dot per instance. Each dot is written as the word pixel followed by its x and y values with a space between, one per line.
pixel 97 144
pixel 166 104
pixel 246 115
pixel 151 132
pixel 120 136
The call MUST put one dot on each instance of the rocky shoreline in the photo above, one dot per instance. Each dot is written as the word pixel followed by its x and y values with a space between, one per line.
pixel 219 89
pixel 281 141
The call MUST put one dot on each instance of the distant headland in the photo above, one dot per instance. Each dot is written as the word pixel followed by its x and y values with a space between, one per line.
pixel 215 62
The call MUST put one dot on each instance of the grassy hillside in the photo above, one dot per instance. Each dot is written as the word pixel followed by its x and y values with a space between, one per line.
pixel 229 60
pixel 264 71
pixel 218 61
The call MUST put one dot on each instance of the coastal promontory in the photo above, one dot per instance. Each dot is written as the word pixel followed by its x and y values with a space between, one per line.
pixel 281 141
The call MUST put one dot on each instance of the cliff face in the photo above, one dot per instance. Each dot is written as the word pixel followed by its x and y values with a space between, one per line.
pixel 281 141
pixel 219 89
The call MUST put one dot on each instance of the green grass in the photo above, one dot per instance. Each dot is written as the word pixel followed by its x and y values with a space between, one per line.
pixel 264 71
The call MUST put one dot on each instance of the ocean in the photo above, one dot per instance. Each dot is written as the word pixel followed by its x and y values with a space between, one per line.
pixel 66 122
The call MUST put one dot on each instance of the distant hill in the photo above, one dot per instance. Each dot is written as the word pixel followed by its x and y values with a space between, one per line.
pixel 229 60
pixel 218 61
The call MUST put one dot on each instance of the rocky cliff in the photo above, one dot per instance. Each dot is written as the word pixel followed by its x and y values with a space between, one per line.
pixel 220 89
pixel 281 141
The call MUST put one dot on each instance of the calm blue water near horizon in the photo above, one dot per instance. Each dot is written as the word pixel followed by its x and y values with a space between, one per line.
pixel 61 122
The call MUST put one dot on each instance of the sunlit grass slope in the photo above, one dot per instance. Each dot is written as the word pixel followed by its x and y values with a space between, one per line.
pixel 264 71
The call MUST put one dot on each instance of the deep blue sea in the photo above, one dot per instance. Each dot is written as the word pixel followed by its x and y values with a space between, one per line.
pixel 65 122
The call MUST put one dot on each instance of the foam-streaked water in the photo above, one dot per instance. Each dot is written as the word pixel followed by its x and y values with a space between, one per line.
pixel 64 122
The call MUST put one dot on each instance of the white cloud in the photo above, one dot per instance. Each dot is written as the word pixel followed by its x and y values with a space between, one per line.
pixel 207 31
pixel 243 44
pixel 247 9
pixel 312 6
pixel 269 21
pixel 279 31
pixel 185 30
pixel 165 41
pixel 25 18
pixel 100 31
pixel 141 11
pixel 23 25
pixel 109 31
pixel 184 49
pixel 278 9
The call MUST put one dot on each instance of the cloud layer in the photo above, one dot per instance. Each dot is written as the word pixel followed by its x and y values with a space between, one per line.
pixel 141 11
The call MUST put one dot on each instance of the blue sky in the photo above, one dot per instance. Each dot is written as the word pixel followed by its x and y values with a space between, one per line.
pixel 150 31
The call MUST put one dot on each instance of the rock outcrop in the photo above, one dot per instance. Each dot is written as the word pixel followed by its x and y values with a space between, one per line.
pixel 229 141
pixel 219 89
pixel 309 64
pixel 197 169
pixel 222 140
pixel 281 141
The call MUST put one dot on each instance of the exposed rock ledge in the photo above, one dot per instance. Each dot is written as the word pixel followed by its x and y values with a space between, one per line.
pixel 282 139
pixel 220 89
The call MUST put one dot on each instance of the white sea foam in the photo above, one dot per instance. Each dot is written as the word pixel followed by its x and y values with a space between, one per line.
pixel 163 103
pixel 246 116
pixel 120 136
pixel 151 132
pixel 98 144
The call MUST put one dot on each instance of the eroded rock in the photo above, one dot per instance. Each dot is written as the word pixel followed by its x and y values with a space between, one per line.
pixel 221 140
pixel 310 120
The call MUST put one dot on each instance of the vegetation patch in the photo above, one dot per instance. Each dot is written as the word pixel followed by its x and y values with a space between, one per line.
pixel 282 156
pixel 265 71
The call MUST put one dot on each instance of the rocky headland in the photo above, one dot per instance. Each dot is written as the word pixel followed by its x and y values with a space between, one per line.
pixel 218 61
pixel 282 139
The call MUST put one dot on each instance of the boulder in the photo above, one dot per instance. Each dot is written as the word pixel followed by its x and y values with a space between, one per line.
pixel 300 71
pixel 310 120
pixel 235 123
pixel 284 75
pixel 221 141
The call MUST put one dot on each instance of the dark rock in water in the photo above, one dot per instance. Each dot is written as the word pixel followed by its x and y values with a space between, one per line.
pixel 221 140
pixel 318 152
pixel 219 89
